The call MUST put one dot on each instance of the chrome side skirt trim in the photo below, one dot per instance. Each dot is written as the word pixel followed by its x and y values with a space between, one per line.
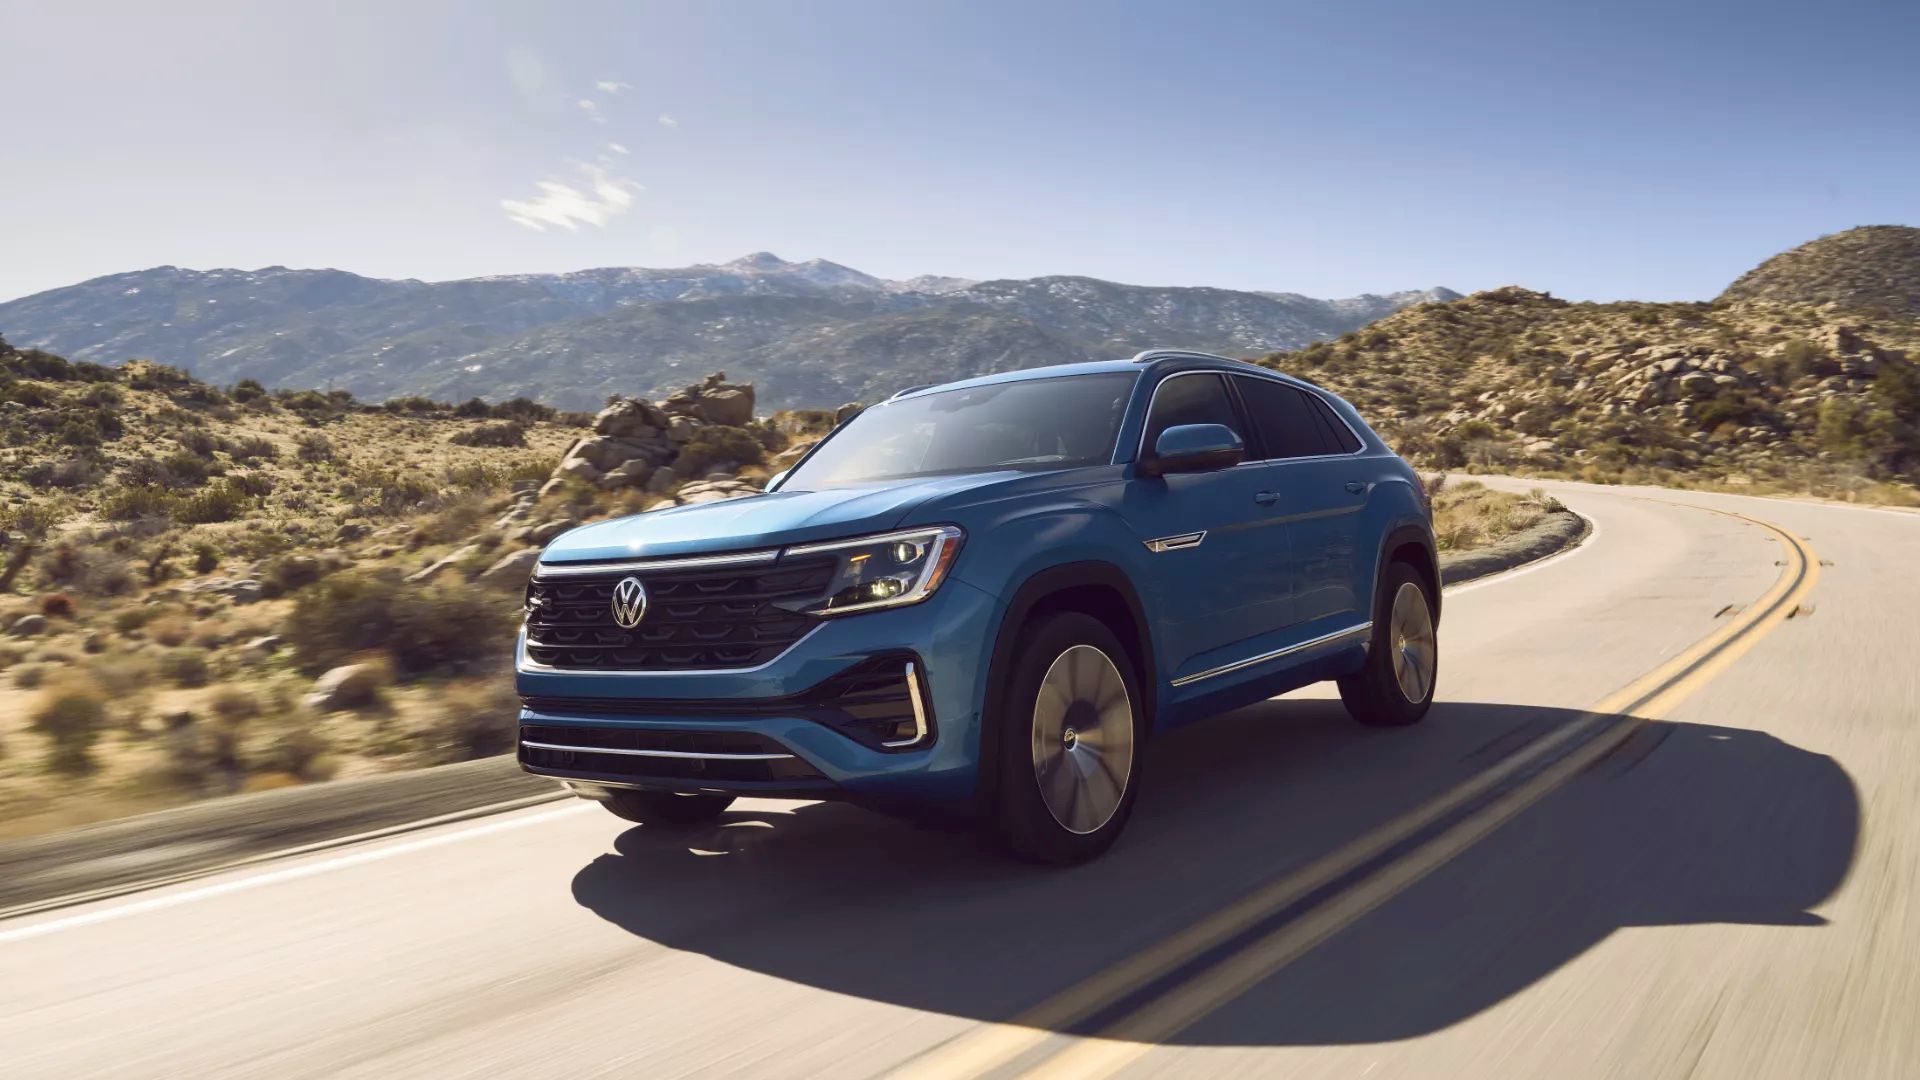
pixel 656 753
pixel 695 562
pixel 1176 543
pixel 919 710
pixel 1237 665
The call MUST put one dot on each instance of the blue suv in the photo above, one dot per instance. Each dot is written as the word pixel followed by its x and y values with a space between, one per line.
pixel 983 598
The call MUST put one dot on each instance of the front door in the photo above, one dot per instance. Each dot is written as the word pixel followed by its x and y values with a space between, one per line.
pixel 1218 566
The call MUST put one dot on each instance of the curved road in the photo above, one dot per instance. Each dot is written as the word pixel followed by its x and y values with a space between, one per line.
pixel 1519 886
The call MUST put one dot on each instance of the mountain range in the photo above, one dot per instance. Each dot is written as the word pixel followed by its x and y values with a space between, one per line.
pixel 810 334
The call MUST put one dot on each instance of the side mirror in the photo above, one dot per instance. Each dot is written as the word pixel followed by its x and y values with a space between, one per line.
pixel 1191 448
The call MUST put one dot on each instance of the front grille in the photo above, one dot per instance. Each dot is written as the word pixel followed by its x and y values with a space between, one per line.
pixel 724 750
pixel 732 617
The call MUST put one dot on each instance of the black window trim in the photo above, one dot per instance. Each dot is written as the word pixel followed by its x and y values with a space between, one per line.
pixel 1248 437
pixel 1356 452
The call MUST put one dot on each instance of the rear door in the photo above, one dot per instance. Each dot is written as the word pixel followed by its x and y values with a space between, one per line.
pixel 1217 565
pixel 1314 489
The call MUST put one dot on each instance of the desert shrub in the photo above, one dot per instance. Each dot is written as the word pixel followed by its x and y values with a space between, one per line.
pixel 291 573
pixel 476 718
pixel 185 667
pixel 314 448
pixel 715 445
pixel 197 442
pixel 255 448
pixel 133 502
pixel 388 492
pixel 77 471
pixel 504 433
pixel 37 517
pixel 234 704
pixel 224 501
pixel 473 409
pixel 129 619
pixel 171 629
pixel 71 718
pixel 524 410
pixel 248 391
pixel 423 627
pixel 30 676
pixel 57 606
pixel 415 404
pixel 88 568
pixel 206 558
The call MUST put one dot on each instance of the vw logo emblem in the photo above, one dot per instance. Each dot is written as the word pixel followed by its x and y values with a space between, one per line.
pixel 629 603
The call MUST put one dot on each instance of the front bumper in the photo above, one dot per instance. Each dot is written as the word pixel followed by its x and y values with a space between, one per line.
pixel 756 731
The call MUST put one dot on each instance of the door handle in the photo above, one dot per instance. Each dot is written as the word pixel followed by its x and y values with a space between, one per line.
pixel 1357 487
pixel 1266 498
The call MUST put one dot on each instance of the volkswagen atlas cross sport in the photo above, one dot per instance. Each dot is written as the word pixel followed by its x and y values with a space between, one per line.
pixel 983 598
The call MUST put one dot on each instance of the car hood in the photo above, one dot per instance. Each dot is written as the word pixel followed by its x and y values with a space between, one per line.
pixel 755 522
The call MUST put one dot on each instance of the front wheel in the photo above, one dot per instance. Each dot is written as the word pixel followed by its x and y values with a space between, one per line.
pixel 1070 740
pixel 1395 688
pixel 665 807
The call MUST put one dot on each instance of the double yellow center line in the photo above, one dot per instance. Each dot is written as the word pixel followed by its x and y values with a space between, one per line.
pixel 1152 995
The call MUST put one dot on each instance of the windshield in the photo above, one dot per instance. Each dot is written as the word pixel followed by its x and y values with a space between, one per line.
pixel 1030 424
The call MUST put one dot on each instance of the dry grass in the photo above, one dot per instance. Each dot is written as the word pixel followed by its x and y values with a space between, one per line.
pixel 1467 514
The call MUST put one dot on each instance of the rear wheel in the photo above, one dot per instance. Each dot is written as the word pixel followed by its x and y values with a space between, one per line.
pixel 1403 662
pixel 1069 752
pixel 666 807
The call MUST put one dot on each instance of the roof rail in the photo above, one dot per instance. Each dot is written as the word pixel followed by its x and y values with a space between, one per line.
pixel 913 390
pixel 1146 356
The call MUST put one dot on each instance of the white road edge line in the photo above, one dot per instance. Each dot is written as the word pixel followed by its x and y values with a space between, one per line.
pixel 274 877
pixel 1593 533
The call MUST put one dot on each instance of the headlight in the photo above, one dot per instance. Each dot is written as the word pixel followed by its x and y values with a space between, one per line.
pixel 886 570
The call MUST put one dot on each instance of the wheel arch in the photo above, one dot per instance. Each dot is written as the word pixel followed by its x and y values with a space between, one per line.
pixel 1412 544
pixel 1100 589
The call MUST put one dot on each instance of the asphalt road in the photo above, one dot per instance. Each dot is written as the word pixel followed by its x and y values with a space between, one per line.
pixel 1520 886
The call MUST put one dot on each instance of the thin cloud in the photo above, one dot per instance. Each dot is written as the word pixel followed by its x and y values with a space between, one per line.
pixel 617 148
pixel 592 109
pixel 668 121
pixel 600 197
pixel 609 86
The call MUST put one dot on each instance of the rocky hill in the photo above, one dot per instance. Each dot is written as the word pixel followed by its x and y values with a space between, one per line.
pixel 206 589
pixel 810 334
pixel 1874 268
pixel 1810 397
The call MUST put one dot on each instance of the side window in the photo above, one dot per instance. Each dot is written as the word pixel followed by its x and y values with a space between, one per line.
pixel 1285 418
pixel 1191 399
pixel 1339 434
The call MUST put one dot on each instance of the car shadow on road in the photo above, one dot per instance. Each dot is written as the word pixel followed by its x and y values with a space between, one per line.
pixel 1683 824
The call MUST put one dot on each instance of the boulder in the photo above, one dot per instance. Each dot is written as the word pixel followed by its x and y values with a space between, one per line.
pixel 348 686
pixel 632 473
pixel 578 469
pixel 664 479
pixel 847 412
pixel 264 646
pixel 732 406
pixel 28 626
pixel 512 567
pixel 682 428
pixel 545 532
pixel 630 418
pixel 442 565
pixel 788 458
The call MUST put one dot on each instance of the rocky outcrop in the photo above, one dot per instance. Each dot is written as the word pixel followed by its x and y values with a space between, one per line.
pixel 635 443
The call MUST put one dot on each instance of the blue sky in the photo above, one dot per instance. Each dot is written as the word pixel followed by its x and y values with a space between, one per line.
pixel 1598 150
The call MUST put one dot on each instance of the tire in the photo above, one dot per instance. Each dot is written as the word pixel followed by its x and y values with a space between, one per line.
pixel 1395 688
pixel 668 808
pixel 1070 742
